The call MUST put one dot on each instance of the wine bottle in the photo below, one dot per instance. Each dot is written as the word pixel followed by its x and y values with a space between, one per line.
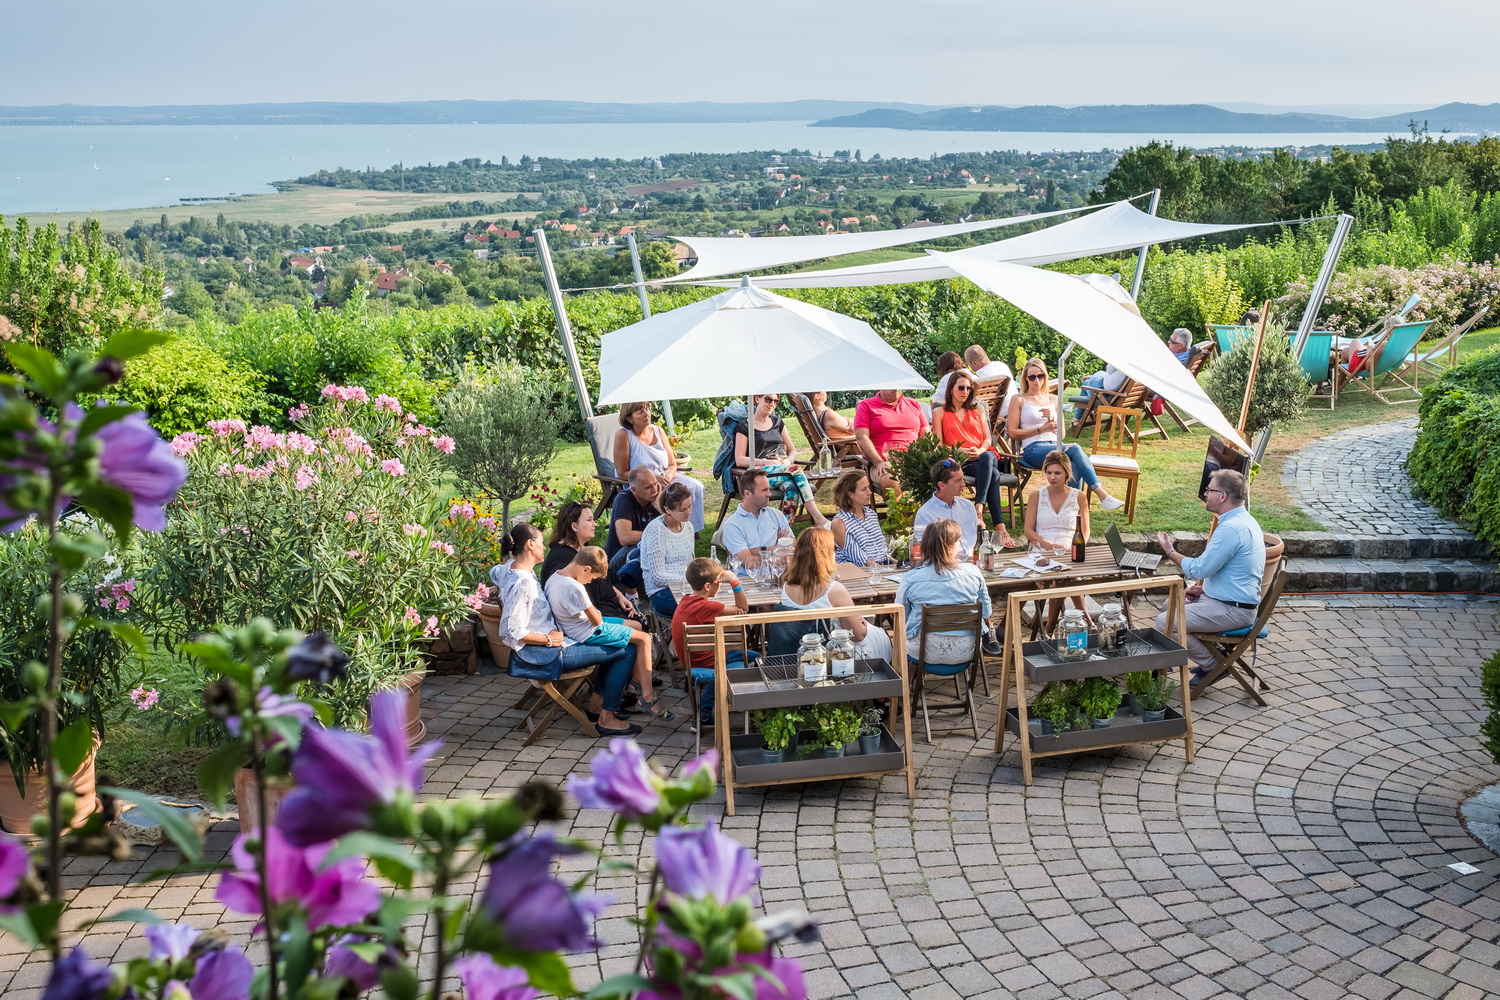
pixel 1078 539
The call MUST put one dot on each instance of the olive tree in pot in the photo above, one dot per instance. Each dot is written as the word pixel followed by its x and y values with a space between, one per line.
pixel 1280 391
pixel 1100 699
pixel 1154 697
pixel 777 728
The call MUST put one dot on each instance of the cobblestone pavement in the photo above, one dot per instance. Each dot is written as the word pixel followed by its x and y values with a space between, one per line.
pixel 1354 481
pixel 1302 854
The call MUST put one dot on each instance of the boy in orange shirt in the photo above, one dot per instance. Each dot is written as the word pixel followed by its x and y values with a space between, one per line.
pixel 699 608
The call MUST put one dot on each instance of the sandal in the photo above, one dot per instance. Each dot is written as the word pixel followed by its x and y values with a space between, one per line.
pixel 665 715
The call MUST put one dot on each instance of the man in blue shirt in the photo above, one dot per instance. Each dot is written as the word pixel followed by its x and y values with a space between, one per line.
pixel 947 502
pixel 1181 344
pixel 1228 572
pixel 755 525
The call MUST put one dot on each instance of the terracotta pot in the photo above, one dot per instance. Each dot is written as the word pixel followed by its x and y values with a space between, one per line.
pixel 16 810
pixel 489 615
pixel 416 729
pixel 1275 546
pixel 247 803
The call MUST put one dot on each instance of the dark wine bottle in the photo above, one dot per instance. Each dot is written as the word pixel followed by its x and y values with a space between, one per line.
pixel 1078 539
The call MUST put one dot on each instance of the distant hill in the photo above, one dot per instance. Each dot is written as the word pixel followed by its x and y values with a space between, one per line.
pixel 440 113
pixel 1454 117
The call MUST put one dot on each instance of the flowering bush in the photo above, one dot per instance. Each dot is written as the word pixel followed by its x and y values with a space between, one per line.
pixel 1451 291
pixel 549 498
pixel 335 526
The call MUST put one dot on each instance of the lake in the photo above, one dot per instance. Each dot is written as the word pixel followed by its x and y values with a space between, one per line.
pixel 81 168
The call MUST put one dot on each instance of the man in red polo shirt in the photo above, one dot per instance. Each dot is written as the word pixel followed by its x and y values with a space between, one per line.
pixel 887 421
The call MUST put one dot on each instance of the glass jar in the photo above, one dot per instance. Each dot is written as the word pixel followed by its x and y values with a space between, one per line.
pixel 812 660
pixel 841 654
pixel 1111 626
pixel 1072 636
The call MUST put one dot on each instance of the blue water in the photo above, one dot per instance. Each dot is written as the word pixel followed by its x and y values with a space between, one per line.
pixel 79 168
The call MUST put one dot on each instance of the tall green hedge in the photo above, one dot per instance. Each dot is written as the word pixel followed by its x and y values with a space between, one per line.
pixel 1456 460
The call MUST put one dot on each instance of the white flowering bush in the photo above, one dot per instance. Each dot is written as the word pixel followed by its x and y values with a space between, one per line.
pixel 340 525
pixel 1450 289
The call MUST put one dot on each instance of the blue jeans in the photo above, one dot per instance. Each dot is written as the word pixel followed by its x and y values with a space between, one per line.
pixel 664 603
pixel 1094 381
pixel 613 673
pixel 1033 455
pixel 986 472
pixel 705 677
pixel 628 574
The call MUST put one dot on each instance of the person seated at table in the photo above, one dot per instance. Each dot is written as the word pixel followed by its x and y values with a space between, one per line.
pixel 573 530
pixel 838 428
pixel 666 549
pixel 700 607
pixel 529 629
pixel 640 442
pixel 947 363
pixel 775 454
pixel 885 422
pixel 960 421
pixel 1180 343
pixel 567 593
pixel 635 507
pixel 1054 512
pixel 985 370
pixel 809 584
pixel 857 536
pixel 948 503
pixel 755 526
pixel 1032 425
pixel 944 579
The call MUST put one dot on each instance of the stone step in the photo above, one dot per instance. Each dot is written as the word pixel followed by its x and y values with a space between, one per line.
pixel 1325 544
pixel 1312 574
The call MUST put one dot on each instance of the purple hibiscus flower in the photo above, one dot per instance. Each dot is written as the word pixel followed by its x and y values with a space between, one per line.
pixel 134 458
pixel 15 862
pixel 697 862
pixel 789 984
pixel 536 911
pixel 342 775
pixel 346 962
pixel 335 895
pixel 270 703
pixel 75 977
pixel 708 762
pixel 170 942
pixel 220 975
pixel 484 980
pixel 622 781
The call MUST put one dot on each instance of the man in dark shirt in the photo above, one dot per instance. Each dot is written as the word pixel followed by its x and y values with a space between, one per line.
pixel 634 508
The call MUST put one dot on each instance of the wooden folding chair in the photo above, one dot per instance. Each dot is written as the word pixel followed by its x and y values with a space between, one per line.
pixel 1444 354
pixel 950 618
pixel 1114 455
pixel 700 639
pixel 992 394
pixel 845 451
pixel 1229 648
pixel 1197 359
pixel 601 435
pixel 555 698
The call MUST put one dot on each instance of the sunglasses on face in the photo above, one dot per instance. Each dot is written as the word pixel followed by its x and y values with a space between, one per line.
pixel 963 388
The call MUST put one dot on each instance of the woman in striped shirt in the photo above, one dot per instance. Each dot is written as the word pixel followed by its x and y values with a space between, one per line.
pixel 856 528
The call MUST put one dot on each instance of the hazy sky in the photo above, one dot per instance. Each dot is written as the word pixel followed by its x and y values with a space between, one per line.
pixel 920 51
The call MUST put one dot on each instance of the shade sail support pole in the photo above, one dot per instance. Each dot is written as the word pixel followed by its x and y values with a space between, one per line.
pixel 1140 255
pixel 564 329
pixel 640 288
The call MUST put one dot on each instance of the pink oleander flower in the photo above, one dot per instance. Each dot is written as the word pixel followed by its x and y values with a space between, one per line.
pixel 393 467
pixel 412 616
pixel 413 530
pixel 488 522
pixel 185 443
pixel 416 430
pixel 350 516
pixel 431 628
pixel 297 441
pixel 443 444
pixel 462 511
pixel 347 393
pixel 443 547
pixel 223 469
pixel 372 514
pixel 384 402
pixel 224 428
pixel 144 698
pixel 305 477
pixel 356 445
pixel 298 412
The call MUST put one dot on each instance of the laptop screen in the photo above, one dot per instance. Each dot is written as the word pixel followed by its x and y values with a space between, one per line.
pixel 1116 543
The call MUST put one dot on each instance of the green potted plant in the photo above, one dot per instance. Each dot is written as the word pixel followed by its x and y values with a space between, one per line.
pixel 1154 697
pixel 1099 697
pixel 870 727
pixel 1054 706
pixel 777 728
pixel 1135 682
pixel 837 725
pixel 912 465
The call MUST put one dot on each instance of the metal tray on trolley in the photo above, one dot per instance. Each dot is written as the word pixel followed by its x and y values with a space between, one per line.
pixel 1140 649
pixel 771 682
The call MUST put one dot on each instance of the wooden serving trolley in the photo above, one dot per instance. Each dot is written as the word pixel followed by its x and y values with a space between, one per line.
pixel 772 683
pixel 1144 649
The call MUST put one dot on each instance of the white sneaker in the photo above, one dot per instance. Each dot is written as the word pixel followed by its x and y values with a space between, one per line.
pixel 1111 503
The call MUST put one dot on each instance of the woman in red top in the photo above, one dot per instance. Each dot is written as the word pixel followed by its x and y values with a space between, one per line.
pixel 962 422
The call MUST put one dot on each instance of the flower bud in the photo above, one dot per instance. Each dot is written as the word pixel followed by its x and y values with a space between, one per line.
pixel 110 370
pixel 41 825
pixel 34 676
pixel 316 658
pixel 67 802
pixel 750 939
pixel 221 698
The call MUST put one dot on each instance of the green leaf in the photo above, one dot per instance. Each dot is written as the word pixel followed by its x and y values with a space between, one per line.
pixel 128 344
pixel 546 970
pixel 110 503
pixel 72 745
pixel 173 821
pixel 39 365
pixel 397 873
pixel 373 845
pixel 17 923
pixel 44 918
pixel 135 915
pixel 740 985
pixel 14 713
pixel 400 983
pixel 622 985
pixel 99 416
pixel 129 635
pixel 368 951
pixel 216 773
pixel 297 951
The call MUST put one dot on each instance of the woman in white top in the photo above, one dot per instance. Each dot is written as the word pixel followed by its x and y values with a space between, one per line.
pixel 640 442
pixel 1055 511
pixel 1031 423
pixel 529 629
pixel 774 450
pixel 666 550
pixel 857 537
pixel 809 584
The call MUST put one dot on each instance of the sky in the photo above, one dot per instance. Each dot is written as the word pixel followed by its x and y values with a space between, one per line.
pixel 943 52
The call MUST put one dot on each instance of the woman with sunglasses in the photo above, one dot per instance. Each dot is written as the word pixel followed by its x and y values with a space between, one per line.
pixel 960 421
pixel 774 451
pixel 1032 425
pixel 640 442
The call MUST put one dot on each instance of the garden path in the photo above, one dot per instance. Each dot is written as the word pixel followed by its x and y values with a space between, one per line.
pixel 1303 854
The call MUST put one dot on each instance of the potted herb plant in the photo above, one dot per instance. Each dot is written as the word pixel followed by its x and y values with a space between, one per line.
pixel 777 728
pixel 1099 697
pixel 1054 706
pixel 870 730
pixel 837 725
pixel 1135 682
pixel 1154 697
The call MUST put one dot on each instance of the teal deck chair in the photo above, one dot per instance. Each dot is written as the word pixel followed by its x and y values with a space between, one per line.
pixel 1228 336
pixel 1317 363
pixel 1444 354
pixel 1382 365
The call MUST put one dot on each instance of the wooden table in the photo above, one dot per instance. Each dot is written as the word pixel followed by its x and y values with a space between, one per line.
pixel 1099 564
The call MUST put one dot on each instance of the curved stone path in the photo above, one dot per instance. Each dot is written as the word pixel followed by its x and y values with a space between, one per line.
pixel 1355 481
pixel 1302 854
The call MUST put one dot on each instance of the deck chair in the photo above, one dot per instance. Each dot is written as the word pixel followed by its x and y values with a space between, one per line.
pixel 1229 648
pixel 1317 364
pixel 992 395
pixel 1198 356
pixel 700 639
pixel 1114 456
pixel 951 618
pixel 1132 395
pixel 1444 354
pixel 1226 336
pixel 1381 365
pixel 845 452
pixel 601 433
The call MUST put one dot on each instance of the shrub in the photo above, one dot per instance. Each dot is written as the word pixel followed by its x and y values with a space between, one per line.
pixel 1450 289
pixel 1454 463
pixel 1489 685
pixel 1191 290
pixel 1280 392
pixel 183 384
pixel 913 465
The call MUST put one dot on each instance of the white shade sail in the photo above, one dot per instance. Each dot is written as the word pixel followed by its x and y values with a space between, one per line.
pixel 1115 228
pixel 1094 320
pixel 746 341
pixel 718 255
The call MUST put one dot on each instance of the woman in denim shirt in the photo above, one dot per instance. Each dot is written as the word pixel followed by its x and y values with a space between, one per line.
pixel 940 580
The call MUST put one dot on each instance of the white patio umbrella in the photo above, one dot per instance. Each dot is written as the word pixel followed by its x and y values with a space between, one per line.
pixel 746 341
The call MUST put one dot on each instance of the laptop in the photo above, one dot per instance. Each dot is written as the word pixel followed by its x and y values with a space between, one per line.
pixel 1125 558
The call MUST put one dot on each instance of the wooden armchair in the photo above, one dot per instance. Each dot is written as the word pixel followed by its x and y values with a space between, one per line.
pixel 1114 455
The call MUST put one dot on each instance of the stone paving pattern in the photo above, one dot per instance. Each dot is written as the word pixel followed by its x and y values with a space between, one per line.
pixel 1302 854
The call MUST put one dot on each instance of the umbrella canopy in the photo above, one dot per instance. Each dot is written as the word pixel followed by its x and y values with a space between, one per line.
pixel 747 341
pixel 1095 320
